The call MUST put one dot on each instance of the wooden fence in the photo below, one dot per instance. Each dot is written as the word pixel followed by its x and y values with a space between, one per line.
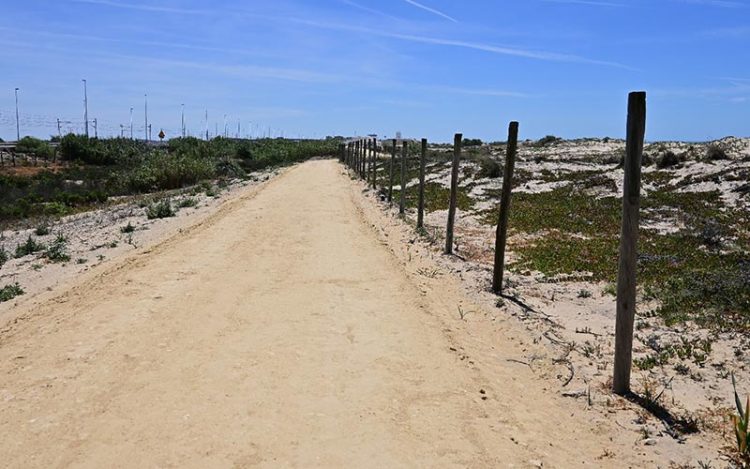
pixel 360 155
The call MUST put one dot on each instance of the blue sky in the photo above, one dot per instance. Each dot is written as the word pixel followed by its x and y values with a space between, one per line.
pixel 428 68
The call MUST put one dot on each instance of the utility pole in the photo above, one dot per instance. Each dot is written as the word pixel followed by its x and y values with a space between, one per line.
pixel 145 128
pixel 96 129
pixel 122 131
pixel 183 121
pixel 18 125
pixel 85 108
pixel 225 126
pixel 149 132
pixel 206 124
pixel 131 122
pixel 59 133
pixel 238 128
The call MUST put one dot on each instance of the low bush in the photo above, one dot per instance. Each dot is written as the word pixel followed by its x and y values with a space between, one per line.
pixel 489 168
pixel 30 246
pixel 35 146
pixel 715 152
pixel 667 159
pixel 58 250
pixel 9 292
pixel 161 209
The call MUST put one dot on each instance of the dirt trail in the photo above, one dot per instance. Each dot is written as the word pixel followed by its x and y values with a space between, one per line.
pixel 279 332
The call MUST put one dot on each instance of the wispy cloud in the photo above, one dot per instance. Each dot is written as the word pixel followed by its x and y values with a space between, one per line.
pixel 141 7
pixel 729 32
pixel 587 2
pixel 716 3
pixel 431 10
pixel 491 48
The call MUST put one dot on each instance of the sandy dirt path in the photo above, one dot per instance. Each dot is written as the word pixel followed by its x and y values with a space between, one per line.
pixel 279 332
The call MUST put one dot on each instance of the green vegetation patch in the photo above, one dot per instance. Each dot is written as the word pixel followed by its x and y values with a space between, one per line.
pixel 436 197
pixel 700 273
pixel 8 292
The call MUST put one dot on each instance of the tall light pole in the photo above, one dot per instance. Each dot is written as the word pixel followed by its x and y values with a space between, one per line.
pixel 131 122
pixel 183 121
pixel 18 125
pixel 85 108
pixel 145 127
pixel 206 124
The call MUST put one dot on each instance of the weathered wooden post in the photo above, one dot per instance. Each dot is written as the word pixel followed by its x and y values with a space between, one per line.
pixel 402 201
pixel 354 157
pixel 501 236
pixel 374 163
pixel 342 152
pixel 393 162
pixel 626 280
pixel 420 203
pixel 359 159
pixel 454 194
pixel 366 160
pixel 363 159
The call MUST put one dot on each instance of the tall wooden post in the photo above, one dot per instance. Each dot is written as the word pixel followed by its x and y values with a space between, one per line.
pixel 454 194
pixel 420 203
pixel 361 161
pixel 374 163
pixel 355 157
pixel 402 202
pixel 501 236
pixel 363 166
pixel 626 280
pixel 393 162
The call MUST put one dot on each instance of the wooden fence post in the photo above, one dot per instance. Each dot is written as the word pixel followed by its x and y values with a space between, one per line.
pixel 364 159
pixel 355 157
pixel 501 236
pixel 454 194
pixel 402 201
pixel 420 203
pixel 374 163
pixel 359 159
pixel 393 162
pixel 626 280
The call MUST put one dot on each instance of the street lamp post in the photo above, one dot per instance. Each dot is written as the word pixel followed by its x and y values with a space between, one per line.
pixel 183 121
pixel 85 108
pixel 18 125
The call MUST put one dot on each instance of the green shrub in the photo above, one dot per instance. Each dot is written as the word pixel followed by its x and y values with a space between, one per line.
pixel 548 140
pixel 41 230
pixel 9 292
pixel 58 250
pixel 489 168
pixel 129 228
pixel 3 256
pixel 472 142
pixel 187 202
pixel 29 247
pixel 162 171
pixel 667 159
pixel 35 146
pixel 161 209
pixel 715 152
